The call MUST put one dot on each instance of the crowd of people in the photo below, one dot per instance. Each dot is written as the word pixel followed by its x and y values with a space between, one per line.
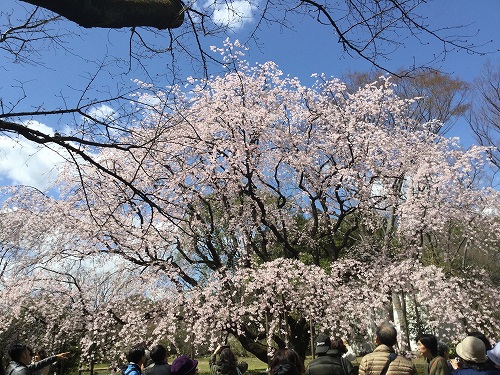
pixel 474 355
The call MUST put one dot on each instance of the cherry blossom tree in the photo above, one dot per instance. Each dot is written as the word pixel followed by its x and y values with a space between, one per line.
pixel 93 308
pixel 246 196
pixel 348 299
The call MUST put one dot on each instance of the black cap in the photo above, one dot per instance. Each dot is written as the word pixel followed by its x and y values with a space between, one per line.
pixel 323 344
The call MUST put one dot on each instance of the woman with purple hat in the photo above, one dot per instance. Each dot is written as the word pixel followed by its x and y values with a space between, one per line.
pixel 184 365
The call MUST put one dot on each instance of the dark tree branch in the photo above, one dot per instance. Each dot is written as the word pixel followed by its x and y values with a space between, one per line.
pixel 161 14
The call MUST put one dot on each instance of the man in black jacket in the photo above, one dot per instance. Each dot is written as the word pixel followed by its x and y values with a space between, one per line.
pixel 329 361
pixel 160 365
pixel 21 356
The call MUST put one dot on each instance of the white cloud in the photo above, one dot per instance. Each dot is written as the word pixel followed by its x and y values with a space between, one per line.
pixel 25 163
pixel 234 14
pixel 491 211
pixel 102 113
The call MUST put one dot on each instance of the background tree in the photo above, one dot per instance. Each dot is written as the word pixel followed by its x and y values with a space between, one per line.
pixel 485 115
pixel 442 97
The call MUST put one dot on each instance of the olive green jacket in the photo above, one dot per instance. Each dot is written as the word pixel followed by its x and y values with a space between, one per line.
pixel 437 366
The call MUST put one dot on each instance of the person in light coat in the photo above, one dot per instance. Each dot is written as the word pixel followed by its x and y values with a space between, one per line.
pixel 373 363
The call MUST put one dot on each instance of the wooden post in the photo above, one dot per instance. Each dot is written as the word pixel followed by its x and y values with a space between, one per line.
pixel 313 352
pixel 287 339
pixel 267 339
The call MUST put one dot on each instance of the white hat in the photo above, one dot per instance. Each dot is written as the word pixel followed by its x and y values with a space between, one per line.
pixel 472 349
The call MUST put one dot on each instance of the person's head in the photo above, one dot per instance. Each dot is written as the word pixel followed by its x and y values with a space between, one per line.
pixel 386 334
pixel 158 354
pixel 443 350
pixel 338 344
pixel 21 354
pixel 471 350
pixel 184 365
pixel 494 354
pixel 323 344
pixel 286 362
pixel 40 354
pixel 227 358
pixel 481 337
pixel 147 361
pixel 427 346
pixel 284 368
pixel 136 355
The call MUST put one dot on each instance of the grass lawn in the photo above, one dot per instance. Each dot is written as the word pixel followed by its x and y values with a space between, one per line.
pixel 256 366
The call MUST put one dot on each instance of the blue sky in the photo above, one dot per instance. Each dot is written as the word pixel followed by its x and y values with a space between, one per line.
pixel 309 53
pixel 309 48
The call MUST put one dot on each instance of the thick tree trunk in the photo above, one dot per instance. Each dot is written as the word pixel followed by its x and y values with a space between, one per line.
pixel 299 335
pixel 399 305
pixel 161 14
pixel 298 339
pixel 418 320
pixel 254 347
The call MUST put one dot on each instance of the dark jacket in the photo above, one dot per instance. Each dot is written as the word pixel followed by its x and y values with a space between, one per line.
pixel 16 368
pixel 157 369
pixel 330 364
pixel 373 363
pixel 225 368
pixel 37 367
